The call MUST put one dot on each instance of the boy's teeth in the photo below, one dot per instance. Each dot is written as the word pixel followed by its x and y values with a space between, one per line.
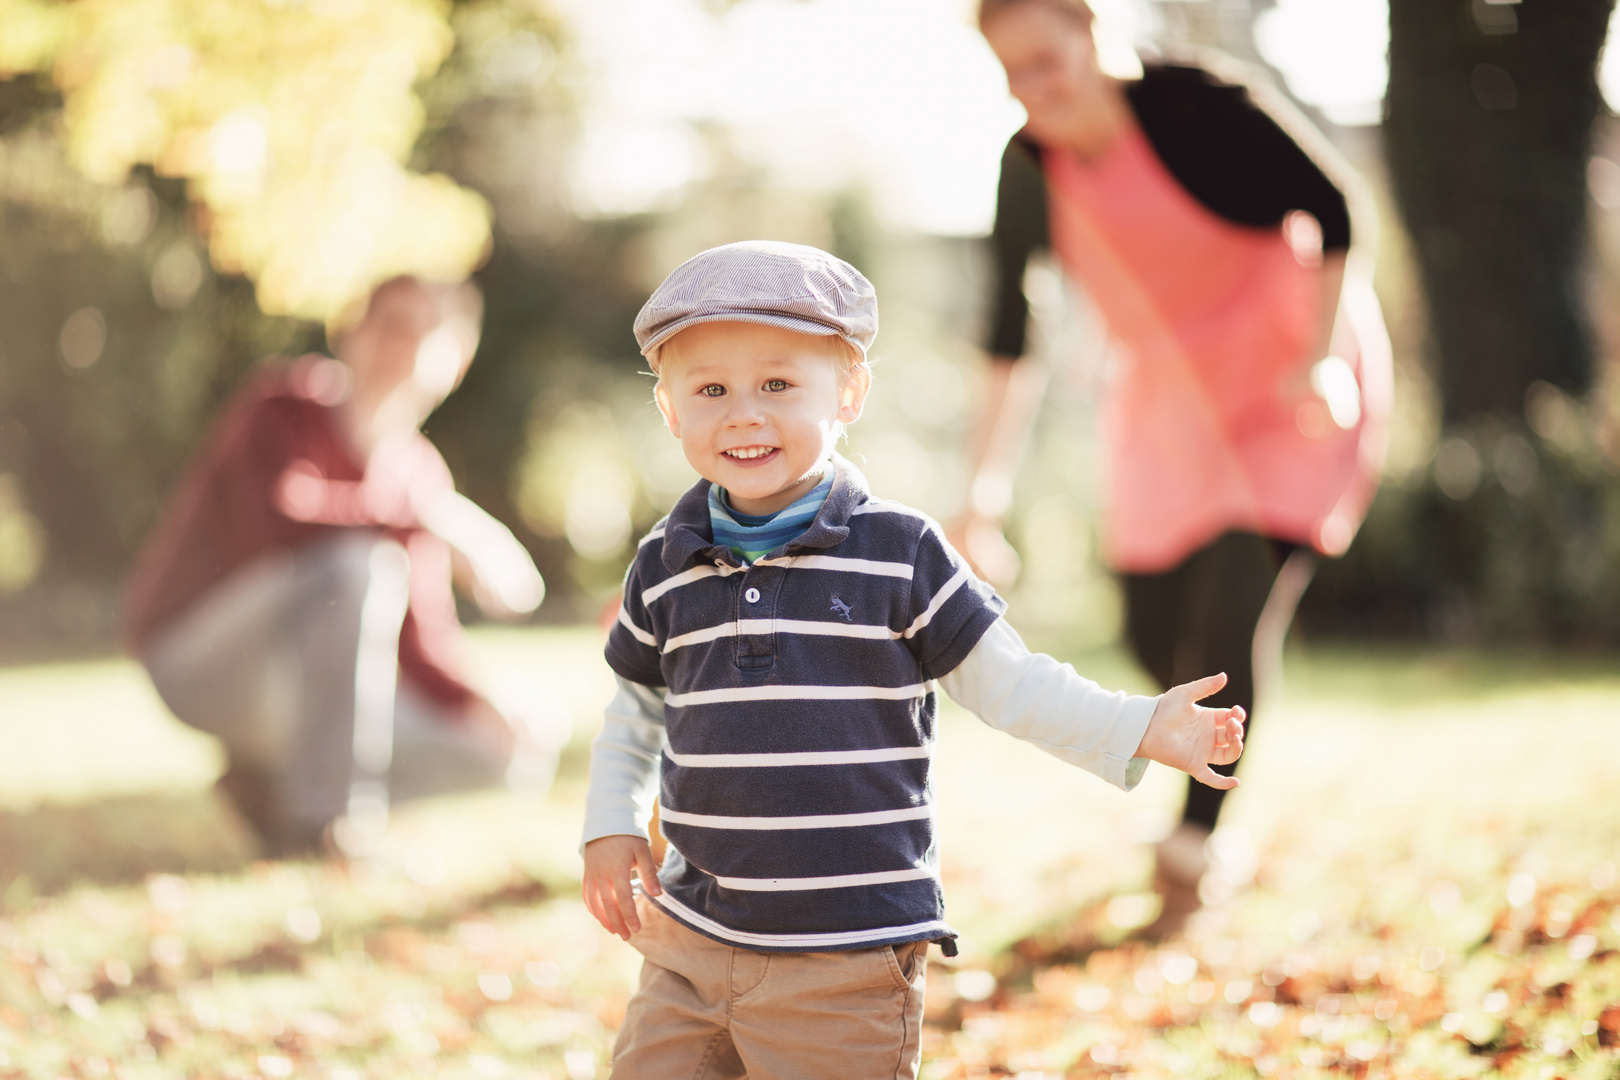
pixel 750 452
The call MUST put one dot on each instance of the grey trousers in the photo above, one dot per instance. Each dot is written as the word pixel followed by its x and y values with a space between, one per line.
pixel 292 663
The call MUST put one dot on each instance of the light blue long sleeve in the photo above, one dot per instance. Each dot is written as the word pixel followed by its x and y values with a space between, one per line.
pixel 1049 705
pixel 624 763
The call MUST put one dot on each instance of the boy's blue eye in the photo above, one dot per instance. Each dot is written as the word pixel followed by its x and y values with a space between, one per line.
pixel 712 390
pixel 776 384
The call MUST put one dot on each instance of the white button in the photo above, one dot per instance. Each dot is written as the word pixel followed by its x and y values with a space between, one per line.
pixel 752 596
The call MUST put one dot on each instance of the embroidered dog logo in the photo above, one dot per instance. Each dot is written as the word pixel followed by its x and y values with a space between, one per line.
pixel 842 608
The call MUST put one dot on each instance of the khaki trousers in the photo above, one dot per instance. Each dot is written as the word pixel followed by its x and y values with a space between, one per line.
pixel 708 1011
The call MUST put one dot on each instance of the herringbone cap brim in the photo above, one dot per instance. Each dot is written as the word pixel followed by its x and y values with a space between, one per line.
pixel 762 281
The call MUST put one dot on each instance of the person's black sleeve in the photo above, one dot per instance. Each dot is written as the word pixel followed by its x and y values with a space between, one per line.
pixel 1232 155
pixel 1020 230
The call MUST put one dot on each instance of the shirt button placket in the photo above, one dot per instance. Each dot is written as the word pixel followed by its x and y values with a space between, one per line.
pixel 757 651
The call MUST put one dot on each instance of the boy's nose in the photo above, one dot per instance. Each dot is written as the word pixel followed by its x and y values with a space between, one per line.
pixel 745 412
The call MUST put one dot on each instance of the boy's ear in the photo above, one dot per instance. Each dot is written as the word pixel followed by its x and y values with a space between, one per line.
pixel 667 407
pixel 852 395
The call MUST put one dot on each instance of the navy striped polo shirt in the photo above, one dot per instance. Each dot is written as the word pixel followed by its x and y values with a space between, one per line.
pixel 795 790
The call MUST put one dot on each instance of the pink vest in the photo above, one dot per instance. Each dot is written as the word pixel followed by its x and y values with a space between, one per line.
pixel 1209 426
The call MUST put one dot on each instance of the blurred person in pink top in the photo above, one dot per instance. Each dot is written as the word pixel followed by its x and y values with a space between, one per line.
pixel 1245 428
pixel 294 598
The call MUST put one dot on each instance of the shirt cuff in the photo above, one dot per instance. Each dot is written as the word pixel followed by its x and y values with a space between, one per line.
pixel 1121 766
pixel 604 825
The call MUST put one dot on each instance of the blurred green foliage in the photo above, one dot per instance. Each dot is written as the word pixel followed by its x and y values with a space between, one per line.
pixel 137 292
pixel 1510 533
pixel 289 124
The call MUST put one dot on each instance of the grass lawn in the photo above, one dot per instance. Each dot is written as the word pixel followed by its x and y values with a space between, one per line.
pixel 1419 880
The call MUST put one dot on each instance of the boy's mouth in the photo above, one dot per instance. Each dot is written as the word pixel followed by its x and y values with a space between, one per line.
pixel 750 453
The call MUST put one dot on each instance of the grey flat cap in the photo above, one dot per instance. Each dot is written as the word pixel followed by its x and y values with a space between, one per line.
pixel 762 281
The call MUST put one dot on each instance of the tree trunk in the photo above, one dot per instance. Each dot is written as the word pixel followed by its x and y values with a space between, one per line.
pixel 1489 118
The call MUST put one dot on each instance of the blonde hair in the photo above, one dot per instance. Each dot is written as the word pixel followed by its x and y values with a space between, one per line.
pixel 845 357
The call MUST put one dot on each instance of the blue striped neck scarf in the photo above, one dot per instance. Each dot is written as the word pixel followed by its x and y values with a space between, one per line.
pixel 750 536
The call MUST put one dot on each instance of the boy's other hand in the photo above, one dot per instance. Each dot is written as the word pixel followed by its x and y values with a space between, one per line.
pixel 1189 737
pixel 609 862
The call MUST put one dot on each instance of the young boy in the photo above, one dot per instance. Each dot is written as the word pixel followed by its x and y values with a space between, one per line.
pixel 776 653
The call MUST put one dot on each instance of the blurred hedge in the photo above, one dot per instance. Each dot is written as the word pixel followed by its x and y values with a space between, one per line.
pixel 1511 534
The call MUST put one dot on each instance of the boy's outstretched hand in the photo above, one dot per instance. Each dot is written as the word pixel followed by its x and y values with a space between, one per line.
pixel 609 861
pixel 1189 737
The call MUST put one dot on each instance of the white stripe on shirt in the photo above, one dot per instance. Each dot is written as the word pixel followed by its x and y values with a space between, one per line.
pixel 656 534
pixel 685 577
pixel 808 757
pixel 938 601
pixel 837 881
pixel 778 626
pixel 797 941
pixel 635 631
pixel 796 693
pixel 804 821
pixel 834 562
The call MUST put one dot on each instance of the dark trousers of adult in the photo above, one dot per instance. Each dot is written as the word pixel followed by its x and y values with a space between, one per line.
pixel 1226 607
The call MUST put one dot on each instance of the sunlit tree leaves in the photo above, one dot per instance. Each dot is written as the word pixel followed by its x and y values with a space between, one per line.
pixel 289 122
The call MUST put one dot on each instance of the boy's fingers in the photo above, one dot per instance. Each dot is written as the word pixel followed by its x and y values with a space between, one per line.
pixel 1234 727
pixel 593 903
pixel 1229 733
pixel 648 872
pixel 1210 778
pixel 603 912
pixel 627 907
pixel 1199 689
pixel 601 904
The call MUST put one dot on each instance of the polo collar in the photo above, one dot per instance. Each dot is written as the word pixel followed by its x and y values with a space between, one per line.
pixel 688 532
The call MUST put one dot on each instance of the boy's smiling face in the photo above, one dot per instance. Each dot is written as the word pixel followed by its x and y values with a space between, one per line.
pixel 757 408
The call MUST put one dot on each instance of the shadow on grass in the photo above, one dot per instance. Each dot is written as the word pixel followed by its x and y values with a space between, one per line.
pixel 51 848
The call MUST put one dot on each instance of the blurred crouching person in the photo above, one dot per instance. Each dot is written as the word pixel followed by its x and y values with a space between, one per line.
pixel 295 597
pixel 1245 427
